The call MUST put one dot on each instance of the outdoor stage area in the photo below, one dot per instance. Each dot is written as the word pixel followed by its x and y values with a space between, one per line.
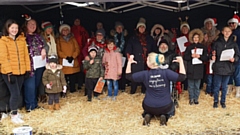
pixel 123 117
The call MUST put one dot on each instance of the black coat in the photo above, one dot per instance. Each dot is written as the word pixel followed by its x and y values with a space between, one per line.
pixel 224 67
pixel 135 48
pixel 195 71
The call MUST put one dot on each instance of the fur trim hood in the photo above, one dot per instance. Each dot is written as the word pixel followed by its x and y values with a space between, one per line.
pixel 113 32
pixel 157 26
pixel 196 31
pixel 58 66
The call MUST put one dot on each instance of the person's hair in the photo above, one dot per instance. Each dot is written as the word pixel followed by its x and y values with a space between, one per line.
pixel 7 24
pixel 25 30
pixel 109 41
pixel 226 27
pixel 155 59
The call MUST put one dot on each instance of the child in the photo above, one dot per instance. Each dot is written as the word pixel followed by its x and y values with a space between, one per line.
pixel 94 71
pixel 15 65
pixel 195 55
pixel 54 80
pixel 112 60
pixel 223 69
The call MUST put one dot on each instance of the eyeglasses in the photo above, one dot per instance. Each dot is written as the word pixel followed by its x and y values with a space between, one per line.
pixel 231 23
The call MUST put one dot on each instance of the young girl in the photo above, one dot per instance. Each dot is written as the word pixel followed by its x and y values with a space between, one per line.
pixel 15 62
pixel 112 60
pixel 195 55
pixel 53 79
pixel 223 69
pixel 94 71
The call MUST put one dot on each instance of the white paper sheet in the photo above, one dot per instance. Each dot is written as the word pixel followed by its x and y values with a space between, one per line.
pixel 181 41
pixel 210 66
pixel 38 62
pixel 227 55
pixel 123 61
pixel 196 60
pixel 67 64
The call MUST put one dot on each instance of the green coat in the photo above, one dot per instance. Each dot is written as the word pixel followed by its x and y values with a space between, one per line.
pixel 56 79
pixel 94 70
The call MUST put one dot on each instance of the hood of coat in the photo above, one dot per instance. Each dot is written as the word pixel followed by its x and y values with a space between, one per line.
pixel 155 27
pixel 193 32
pixel 113 32
pixel 58 66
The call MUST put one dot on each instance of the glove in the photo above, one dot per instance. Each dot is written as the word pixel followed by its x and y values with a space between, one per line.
pixel 11 78
pixel 64 89
pixel 27 75
pixel 70 59
pixel 48 86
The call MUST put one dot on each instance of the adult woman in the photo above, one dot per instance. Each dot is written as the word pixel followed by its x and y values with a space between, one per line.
pixel 14 60
pixel 68 49
pixel 36 47
pixel 140 45
pixel 157 100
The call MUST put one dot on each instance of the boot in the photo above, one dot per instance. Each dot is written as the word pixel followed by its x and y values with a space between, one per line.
pixel 50 107
pixel 237 91
pixel 57 106
pixel 230 88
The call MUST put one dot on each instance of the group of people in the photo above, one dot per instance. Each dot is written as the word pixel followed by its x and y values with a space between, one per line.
pixel 156 62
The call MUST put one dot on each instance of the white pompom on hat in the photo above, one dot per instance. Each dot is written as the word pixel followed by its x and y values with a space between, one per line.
pixel 64 26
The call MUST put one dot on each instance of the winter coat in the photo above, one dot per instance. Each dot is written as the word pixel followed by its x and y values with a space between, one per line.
pixel 135 48
pixel 195 71
pixel 94 70
pixel 112 60
pixel 68 49
pixel 14 56
pixel 81 35
pixel 55 79
pixel 236 32
pixel 224 67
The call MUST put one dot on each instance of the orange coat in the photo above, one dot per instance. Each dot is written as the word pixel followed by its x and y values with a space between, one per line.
pixel 14 56
pixel 68 49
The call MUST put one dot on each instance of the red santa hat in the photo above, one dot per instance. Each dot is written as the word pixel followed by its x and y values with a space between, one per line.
pixel 212 20
pixel 235 19
pixel 27 17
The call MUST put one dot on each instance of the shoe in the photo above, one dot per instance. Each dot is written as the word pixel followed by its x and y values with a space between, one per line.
pixel 163 120
pixel 51 107
pixel 57 106
pixel 196 102
pixel 215 105
pixel 114 98
pixel 28 110
pixel 223 105
pixel 107 97
pixel 16 119
pixel 146 120
pixel 191 101
pixel 89 100
pixel 95 97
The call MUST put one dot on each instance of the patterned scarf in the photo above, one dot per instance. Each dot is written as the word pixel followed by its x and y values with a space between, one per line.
pixel 143 42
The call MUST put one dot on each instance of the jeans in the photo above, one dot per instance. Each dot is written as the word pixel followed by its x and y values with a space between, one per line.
pixel 112 84
pixel 236 76
pixel 15 90
pixel 218 81
pixel 194 89
pixel 31 86
pixel 53 97
pixel 209 84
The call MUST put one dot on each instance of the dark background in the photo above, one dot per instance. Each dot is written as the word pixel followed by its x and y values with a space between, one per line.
pixel 89 18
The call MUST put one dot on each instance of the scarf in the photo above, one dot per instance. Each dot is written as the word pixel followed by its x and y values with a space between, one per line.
pixel 143 42
pixel 52 45
pixel 119 40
